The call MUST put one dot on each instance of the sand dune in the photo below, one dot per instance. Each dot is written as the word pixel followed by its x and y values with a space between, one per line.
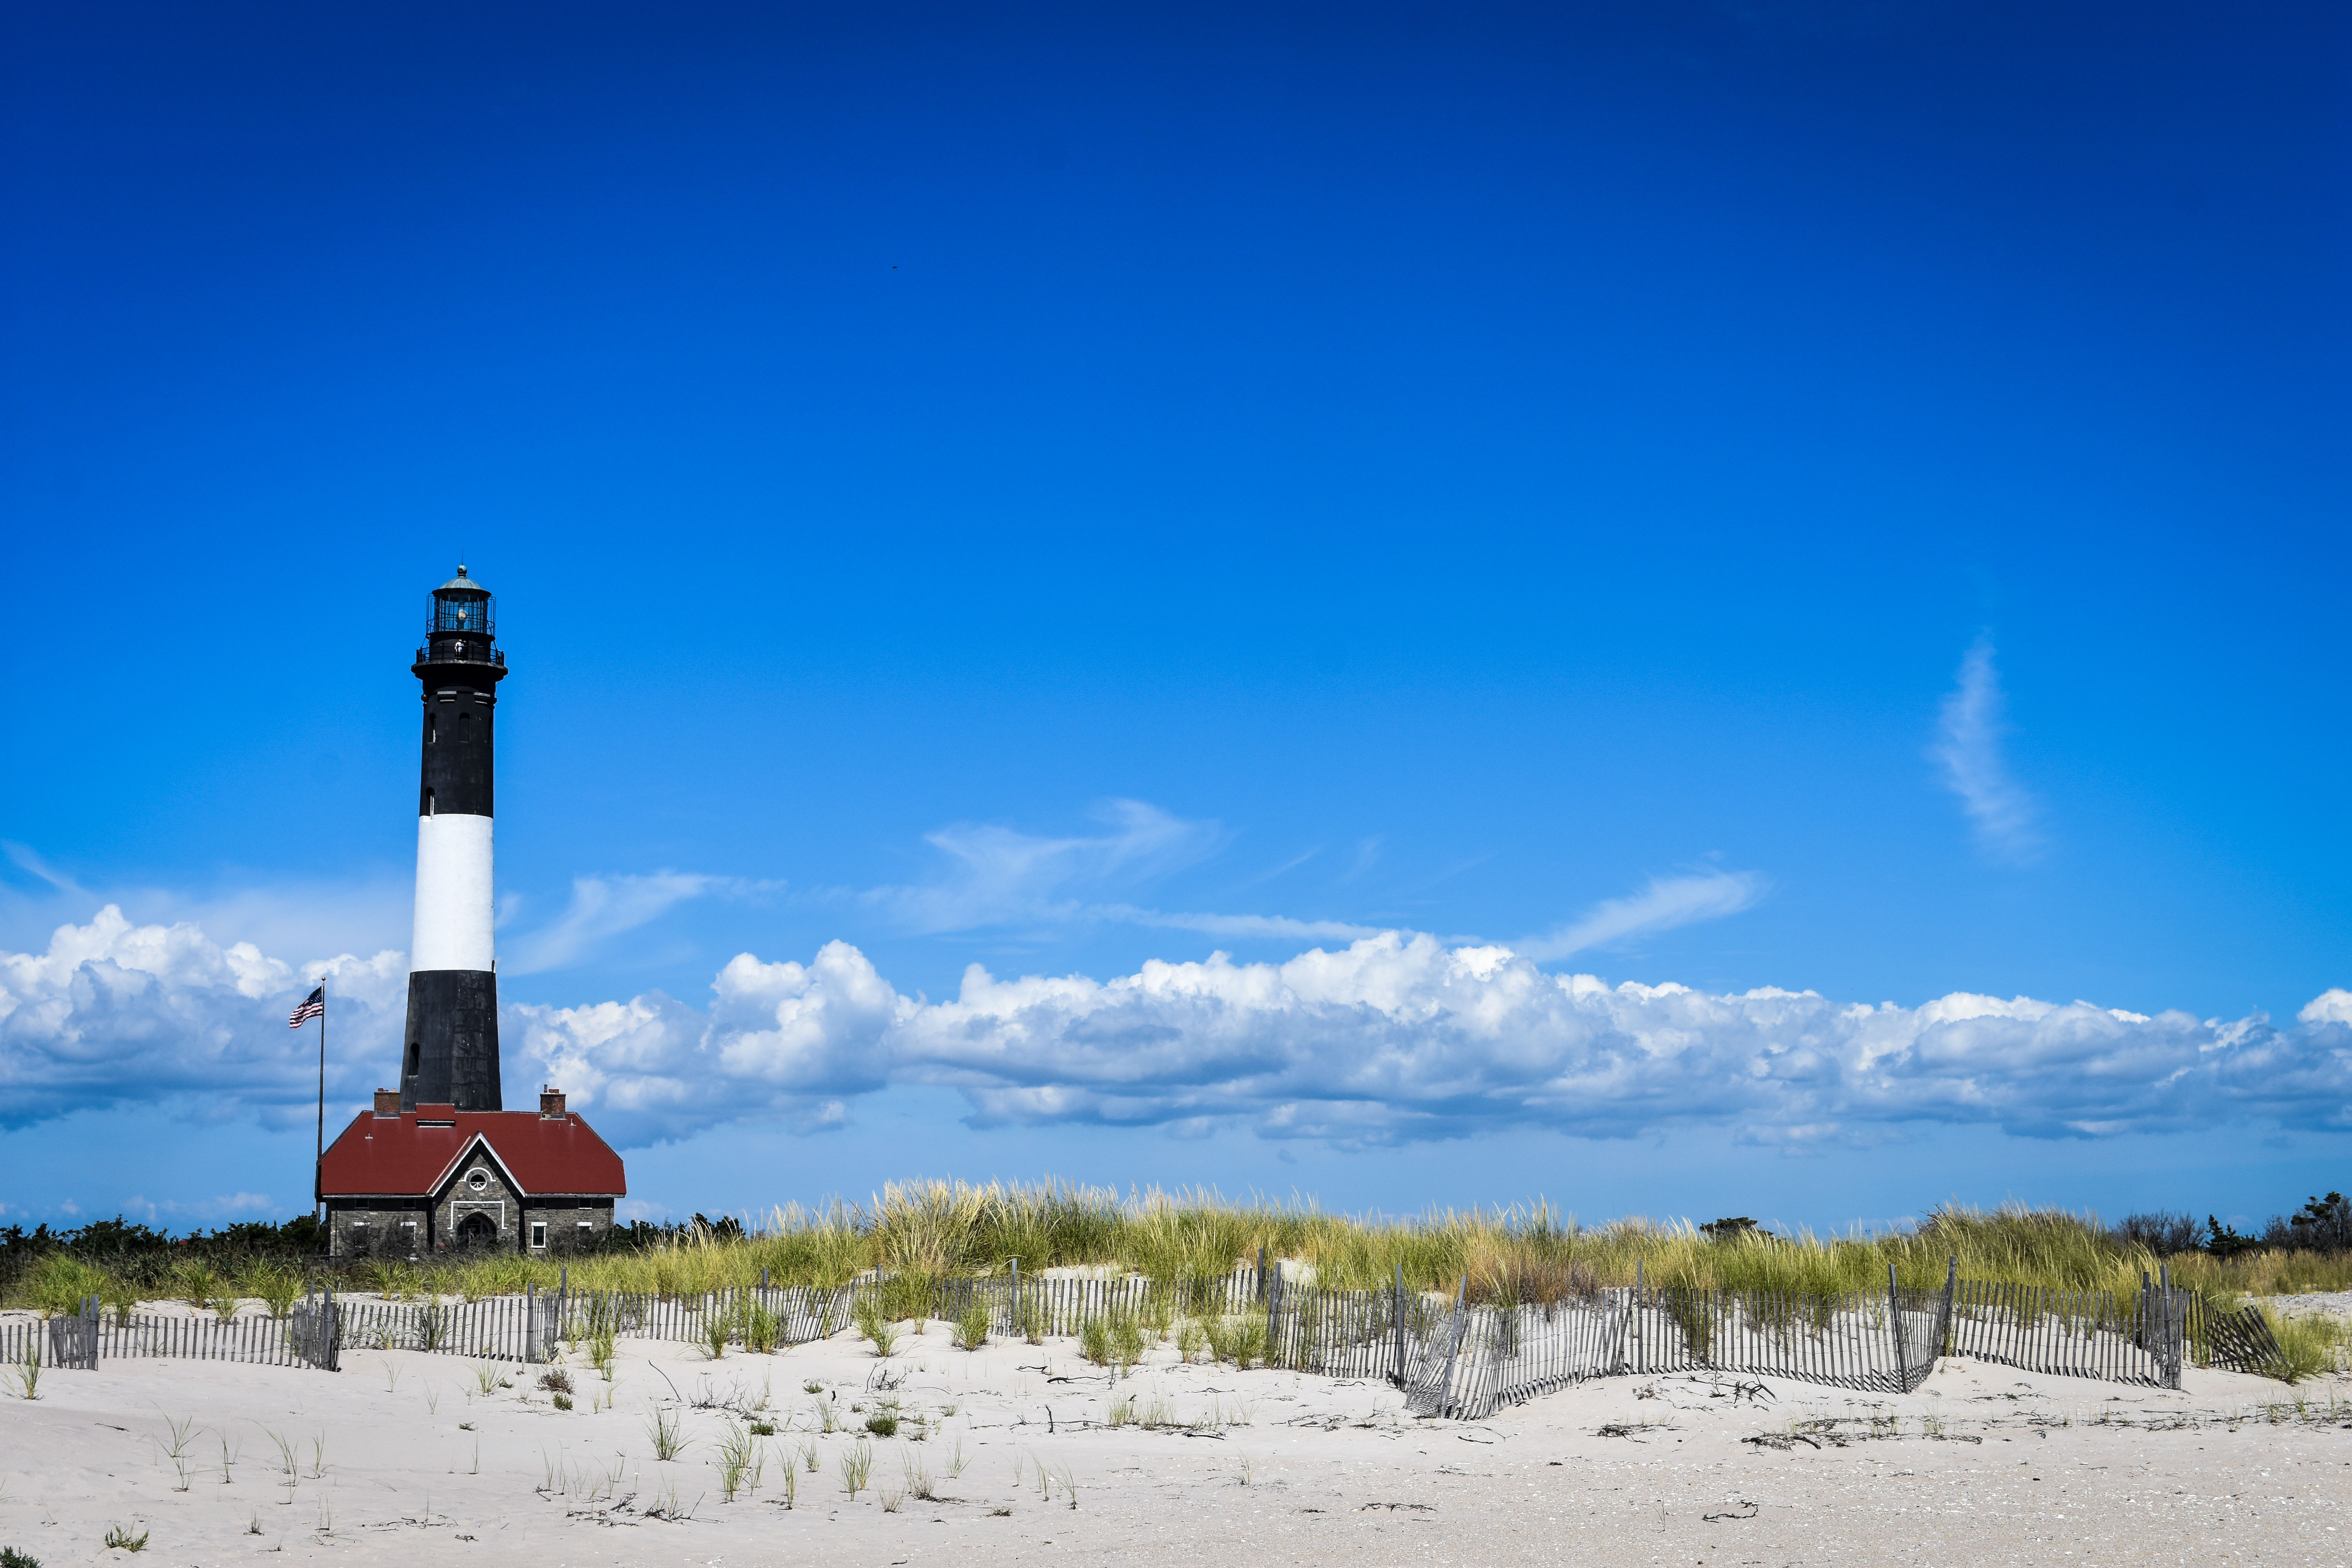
pixel 1016 1443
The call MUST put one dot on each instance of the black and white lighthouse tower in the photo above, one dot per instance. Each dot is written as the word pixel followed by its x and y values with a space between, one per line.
pixel 452 1056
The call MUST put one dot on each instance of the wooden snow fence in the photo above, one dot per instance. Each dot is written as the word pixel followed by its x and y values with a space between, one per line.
pixel 1452 1358
pixel 306 1336
pixel 1477 1358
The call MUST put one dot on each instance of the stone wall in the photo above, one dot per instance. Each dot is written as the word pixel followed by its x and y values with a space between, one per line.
pixel 392 1233
pixel 573 1223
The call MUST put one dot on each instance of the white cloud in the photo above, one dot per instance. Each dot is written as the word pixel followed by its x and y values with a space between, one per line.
pixel 1400 1036
pixel 113 1011
pixel 1665 903
pixel 2005 816
pixel 2333 1006
pixel 1389 1039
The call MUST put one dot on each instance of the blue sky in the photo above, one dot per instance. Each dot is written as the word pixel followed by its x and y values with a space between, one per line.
pixel 1833 498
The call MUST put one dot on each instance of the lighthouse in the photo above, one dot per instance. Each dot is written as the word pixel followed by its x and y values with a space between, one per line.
pixel 451 1056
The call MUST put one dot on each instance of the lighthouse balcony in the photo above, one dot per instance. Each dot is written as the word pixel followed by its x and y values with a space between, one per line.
pixel 458 653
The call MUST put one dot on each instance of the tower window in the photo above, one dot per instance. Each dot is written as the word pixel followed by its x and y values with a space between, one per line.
pixel 432 728
pixel 429 800
pixel 414 1052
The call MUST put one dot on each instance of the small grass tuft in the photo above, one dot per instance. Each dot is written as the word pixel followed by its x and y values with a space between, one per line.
pixel 856 1467
pixel 972 1329
pixel 667 1436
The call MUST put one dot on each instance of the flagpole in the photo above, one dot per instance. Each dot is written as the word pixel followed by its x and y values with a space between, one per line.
pixel 319 1164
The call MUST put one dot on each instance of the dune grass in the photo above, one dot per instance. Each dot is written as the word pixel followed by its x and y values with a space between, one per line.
pixel 922 1231
pixel 917 1232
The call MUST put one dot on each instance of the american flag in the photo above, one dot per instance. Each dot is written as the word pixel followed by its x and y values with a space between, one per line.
pixel 314 1005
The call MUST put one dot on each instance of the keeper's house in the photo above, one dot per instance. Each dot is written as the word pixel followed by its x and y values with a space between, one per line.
pixel 409 1183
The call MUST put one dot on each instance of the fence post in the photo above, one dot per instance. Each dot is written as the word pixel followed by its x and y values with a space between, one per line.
pixel 2175 1326
pixel 1895 1326
pixel 1273 1287
pixel 1400 1368
pixel 1951 1293
pixel 1445 1384
pixel 1261 1272
pixel 1641 1298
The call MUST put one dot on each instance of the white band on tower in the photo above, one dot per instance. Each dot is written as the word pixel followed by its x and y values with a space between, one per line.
pixel 454 900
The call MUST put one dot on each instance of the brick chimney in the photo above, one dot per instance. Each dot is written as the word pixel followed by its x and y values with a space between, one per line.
pixel 551 1103
pixel 387 1102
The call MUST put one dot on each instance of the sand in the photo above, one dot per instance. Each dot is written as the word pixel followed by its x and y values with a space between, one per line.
pixel 403 1453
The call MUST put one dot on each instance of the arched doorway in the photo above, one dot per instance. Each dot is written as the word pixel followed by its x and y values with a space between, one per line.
pixel 477 1230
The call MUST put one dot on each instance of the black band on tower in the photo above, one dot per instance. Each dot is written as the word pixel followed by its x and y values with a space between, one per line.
pixel 457 751
pixel 451 1054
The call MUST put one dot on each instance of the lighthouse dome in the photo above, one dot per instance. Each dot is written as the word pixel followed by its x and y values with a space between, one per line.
pixel 462 604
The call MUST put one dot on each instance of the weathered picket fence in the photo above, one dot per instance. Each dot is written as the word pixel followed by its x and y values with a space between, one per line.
pixel 307 1336
pixel 1452 1358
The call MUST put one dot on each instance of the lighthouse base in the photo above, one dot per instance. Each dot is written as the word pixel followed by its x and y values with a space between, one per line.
pixel 451 1056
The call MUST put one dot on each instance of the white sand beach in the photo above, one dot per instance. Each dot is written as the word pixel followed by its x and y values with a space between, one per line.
pixel 1010 1453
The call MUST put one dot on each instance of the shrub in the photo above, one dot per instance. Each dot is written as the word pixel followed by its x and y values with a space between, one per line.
pixel 12 1557
pixel 555 1379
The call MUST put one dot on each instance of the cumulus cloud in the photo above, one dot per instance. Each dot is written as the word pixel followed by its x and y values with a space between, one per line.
pixel 2004 815
pixel 1665 903
pixel 1390 1039
pixel 114 1012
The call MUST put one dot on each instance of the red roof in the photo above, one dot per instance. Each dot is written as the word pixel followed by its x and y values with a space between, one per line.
pixel 412 1155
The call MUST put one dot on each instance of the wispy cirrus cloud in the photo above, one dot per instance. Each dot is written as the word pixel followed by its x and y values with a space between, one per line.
pixel 1666 902
pixel 999 877
pixel 604 907
pixel 1971 727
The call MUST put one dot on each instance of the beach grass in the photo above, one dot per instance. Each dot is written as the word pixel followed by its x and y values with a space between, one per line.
pixel 911 1234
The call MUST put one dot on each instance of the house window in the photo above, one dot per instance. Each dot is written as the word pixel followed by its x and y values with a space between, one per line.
pixel 478 1178
pixel 539 1233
